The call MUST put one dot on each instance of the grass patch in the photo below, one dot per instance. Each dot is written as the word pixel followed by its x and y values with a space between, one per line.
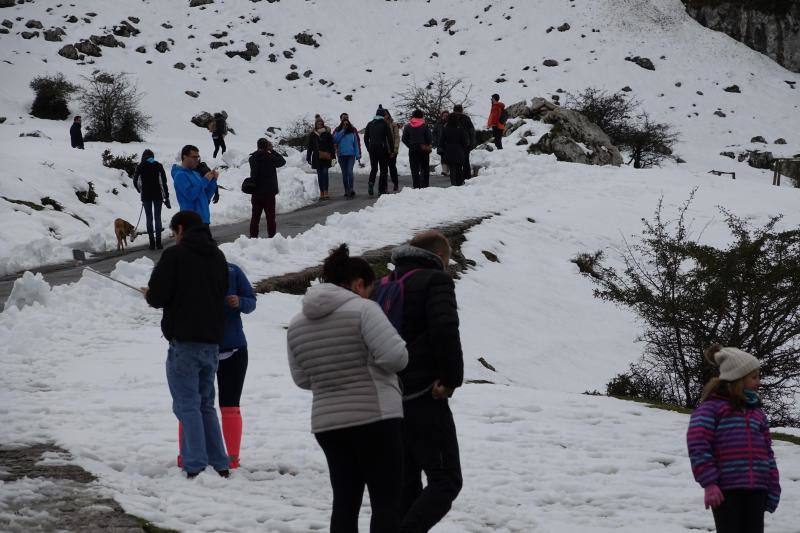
pixel 588 263
pixel 53 203
pixel 490 256
pixel 785 437
pixel 76 217
pixel 26 203
pixel 149 527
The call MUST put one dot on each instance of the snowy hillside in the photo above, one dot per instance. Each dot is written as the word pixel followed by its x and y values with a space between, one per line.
pixel 367 52
pixel 84 366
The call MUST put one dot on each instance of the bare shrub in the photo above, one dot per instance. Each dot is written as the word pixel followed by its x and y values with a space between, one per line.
pixel 439 93
pixel 111 106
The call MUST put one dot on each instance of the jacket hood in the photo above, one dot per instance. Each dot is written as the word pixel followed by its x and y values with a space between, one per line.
pixel 199 240
pixel 325 298
pixel 178 169
pixel 417 122
pixel 412 254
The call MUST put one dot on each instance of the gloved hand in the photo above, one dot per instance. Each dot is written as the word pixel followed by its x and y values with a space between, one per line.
pixel 166 203
pixel 713 497
pixel 216 196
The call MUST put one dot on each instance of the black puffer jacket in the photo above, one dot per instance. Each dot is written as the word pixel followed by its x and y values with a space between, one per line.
pixel 189 283
pixel 469 127
pixel 430 322
pixel 416 135
pixel 378 135
pixel 454 144
pixel 316 142
pixel 263 167
pixel 151 181
pixel 76 135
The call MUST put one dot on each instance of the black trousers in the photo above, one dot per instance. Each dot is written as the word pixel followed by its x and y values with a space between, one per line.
pixel 379 158
pixel 466 173
pixel 420 168
pixel 219 142
pixel 498 137
pixel 431 446
pixel 370 455
pixel 230 378
pixel 742 511
pixel 457 174
pixel 393 170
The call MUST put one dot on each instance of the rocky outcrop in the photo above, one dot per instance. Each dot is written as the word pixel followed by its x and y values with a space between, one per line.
pixel 772 28
pixel 573 138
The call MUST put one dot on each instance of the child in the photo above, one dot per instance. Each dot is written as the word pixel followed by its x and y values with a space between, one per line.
pixel 730 447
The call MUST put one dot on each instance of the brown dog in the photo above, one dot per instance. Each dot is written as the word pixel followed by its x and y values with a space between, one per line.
pixel 123 229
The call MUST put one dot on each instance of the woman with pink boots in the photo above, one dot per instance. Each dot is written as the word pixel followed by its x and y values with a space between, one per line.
pixel 232 361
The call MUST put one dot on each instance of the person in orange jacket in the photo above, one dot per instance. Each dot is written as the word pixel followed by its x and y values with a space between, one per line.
pixel 497 120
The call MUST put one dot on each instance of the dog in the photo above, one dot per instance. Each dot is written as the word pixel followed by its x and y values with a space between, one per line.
pixel 123 229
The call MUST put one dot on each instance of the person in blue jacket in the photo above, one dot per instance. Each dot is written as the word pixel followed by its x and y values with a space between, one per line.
pixel 193 189
pixel 232 361
pixel 348 149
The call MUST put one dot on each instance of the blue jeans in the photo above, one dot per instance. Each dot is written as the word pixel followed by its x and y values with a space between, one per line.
pixel 191 369
pixel 153 208
pixel 322 178
pixel 347 162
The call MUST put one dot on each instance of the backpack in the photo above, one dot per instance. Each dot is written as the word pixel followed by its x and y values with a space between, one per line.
pixel 221 127
pixel 389 294
pixel 503 116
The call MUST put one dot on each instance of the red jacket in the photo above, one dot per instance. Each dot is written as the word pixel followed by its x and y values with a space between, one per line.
pixel 494 115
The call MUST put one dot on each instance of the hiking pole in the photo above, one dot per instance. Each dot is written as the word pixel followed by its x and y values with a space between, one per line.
pixel 90 269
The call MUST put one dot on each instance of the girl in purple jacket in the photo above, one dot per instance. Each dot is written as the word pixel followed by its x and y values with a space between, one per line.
pixel 730 446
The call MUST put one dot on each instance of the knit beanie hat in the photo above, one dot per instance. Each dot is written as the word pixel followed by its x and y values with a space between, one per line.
pixel 380 112
pixel 733 363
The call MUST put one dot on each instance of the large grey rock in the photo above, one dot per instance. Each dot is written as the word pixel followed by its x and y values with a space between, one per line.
pixel 7 3
pixel 162 46
pixel 519 109
pixel 108 41
pixel 758 159
pixel 573 137
pixel 767 27
pixel 89 48
pixel 203 119
pixel 54 34
pixel 196 3
pixel 69 51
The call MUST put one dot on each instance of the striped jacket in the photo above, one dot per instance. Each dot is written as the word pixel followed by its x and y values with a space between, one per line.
pixel 732 449
pixel 344 349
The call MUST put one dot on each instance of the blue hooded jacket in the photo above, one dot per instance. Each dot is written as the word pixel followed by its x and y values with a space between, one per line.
pixel 238 285
pixel 193 191
pixel 348 143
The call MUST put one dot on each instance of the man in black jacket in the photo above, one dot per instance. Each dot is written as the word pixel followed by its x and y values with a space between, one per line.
pixel 189 283
pixel 469 127
pixel 263 164
pixel 435 369
pixel 75 133
pixel 379 140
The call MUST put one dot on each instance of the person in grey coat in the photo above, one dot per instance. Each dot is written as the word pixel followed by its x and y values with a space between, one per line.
pixel 344 349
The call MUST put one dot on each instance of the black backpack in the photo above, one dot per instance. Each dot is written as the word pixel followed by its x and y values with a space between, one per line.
pixel 222 127
pixel 503 116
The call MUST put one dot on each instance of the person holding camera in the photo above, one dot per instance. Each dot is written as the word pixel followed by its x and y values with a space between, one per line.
pixel 195 184
pixel 264 163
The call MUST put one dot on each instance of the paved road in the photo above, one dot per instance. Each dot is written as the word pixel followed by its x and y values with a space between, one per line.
pixel 289 224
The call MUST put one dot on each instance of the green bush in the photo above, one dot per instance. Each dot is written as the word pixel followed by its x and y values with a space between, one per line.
pixel 126 163
pixel 52 94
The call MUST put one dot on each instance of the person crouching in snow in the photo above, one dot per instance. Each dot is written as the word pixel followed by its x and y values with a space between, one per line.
pixel 730 447
pixel 232 362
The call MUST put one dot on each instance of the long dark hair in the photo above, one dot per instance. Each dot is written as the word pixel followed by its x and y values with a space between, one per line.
pixel 341 269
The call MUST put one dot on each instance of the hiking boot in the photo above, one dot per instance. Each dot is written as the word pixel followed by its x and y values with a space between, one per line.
pixel 371 189
pixel 396 187
pixel 152 241
pixel 224 473
pixel 192 475
pixel 158 242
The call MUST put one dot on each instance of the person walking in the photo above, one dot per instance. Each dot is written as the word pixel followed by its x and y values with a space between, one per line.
pixel 348 150
pixel 730 446
pixel 418 139
pixel 219 130
pixel 379 141
pixel 320 154
pixel 344 349
pixel 75 133
pixel 189 283
pixel 438 128
pixel 395 148
pixel 469 127
pixel 193 189
pixel 453 147
pixel 150 182
pixel 264 163
pixel 497 120
pixel 435 369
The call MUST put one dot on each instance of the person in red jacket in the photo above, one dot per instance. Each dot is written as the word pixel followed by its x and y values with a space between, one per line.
pixel 497 120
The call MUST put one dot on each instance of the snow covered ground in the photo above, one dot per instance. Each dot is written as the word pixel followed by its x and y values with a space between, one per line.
pixel 83 364
pixel 538 454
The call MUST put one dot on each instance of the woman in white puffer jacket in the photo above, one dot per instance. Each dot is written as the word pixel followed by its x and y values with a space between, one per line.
pixel 344 349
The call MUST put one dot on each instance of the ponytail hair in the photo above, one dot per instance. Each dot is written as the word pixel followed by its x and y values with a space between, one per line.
pixel 341 269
